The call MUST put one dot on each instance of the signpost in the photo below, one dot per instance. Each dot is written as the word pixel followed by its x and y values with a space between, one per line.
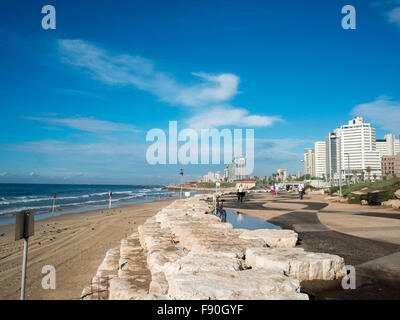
pixel 24 228
pixel 181 173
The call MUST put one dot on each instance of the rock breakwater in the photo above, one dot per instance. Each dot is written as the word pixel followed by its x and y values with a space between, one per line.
pixel 184 252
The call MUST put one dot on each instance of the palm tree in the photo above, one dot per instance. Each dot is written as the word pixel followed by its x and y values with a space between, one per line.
pixel 368 169
pixel 362 176
pixel 374 175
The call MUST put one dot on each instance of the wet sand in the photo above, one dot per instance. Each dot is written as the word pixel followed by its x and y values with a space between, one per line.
pixel 75 244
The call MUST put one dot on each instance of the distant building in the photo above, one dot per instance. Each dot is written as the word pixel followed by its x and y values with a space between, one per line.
pixel 389 146
pixel 309 161
pixel 226 174
pixel 320 158
pixel 282 174
pixel 231 172
pixel 352 148
pixel 240 168
pixel 357 148
pixel 236 170
pixel 391 166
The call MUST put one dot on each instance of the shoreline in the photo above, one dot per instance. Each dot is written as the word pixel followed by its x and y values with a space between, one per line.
pixel 9 219
pixel 74 244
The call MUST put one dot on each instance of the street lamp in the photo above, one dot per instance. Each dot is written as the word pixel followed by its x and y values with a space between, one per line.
pixel 181 173
pixel 340 167
pixel 348 168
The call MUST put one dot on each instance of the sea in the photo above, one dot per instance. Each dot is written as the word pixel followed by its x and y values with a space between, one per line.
pixel 72 198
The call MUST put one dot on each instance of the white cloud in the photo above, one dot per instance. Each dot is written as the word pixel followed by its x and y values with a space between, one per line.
pixel 140 72
pixel 3 174
pixel 394 16
pixel 229 116
pixel 211 91
pixel 383 112
pixel 85 124
pixel 33 174
pixel 215 88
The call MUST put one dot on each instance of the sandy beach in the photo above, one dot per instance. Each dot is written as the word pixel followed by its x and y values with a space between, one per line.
pixel 75 244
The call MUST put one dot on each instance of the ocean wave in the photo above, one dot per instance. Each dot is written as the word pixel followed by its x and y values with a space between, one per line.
pixel 17 209
pixel 15 204
pixel 32 199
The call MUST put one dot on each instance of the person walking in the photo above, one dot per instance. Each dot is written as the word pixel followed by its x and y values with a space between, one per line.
pixel 240 193
pixel 301 190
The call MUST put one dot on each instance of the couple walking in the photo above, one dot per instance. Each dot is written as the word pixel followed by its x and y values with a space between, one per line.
pixel 274 189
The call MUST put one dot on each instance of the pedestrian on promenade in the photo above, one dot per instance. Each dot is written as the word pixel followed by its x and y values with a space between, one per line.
pixel 272 190
pixel 240 193
pixel 301 190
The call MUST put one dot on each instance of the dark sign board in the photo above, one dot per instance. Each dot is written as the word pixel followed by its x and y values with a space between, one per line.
pixel 24 224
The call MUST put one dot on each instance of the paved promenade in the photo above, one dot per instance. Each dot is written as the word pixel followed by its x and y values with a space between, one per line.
pixel 366 237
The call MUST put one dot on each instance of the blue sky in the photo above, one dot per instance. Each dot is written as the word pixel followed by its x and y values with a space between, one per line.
pixel 76 102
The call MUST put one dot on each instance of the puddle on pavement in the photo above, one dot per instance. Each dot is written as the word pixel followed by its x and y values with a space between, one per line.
pixel 243 221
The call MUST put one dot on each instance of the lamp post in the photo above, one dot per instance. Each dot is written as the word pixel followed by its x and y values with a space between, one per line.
pixel 181 173
pixel 348 168
pixel 340 167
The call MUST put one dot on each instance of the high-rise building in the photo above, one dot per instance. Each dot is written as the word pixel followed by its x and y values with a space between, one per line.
pixel 356 148
pixel 309 161
pixel 226 174
pixel 240 168
pixel 231 172
pixel 320 158
pixel 389 146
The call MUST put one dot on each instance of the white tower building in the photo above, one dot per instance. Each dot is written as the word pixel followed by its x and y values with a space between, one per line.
pixel 309 161
pixel 240 168
pixel 356 147
pixel 320 158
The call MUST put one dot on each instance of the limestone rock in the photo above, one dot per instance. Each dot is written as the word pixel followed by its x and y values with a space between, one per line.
pixel 229 285
pixel 273 238
pixel 364 202
pixel 158 284
pixel 157 259
pixel 394 203
pixel 297 263
pixel 195 262
pixel 110 263
pixel 397 194
pixel 123 289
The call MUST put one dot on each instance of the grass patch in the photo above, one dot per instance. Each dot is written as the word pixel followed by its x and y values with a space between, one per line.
pixel 387 189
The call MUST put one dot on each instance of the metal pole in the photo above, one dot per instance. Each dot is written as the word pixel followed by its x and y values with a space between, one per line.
pixel 24 260
pixel 348 168
pixel 340 167
pixel 181 186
